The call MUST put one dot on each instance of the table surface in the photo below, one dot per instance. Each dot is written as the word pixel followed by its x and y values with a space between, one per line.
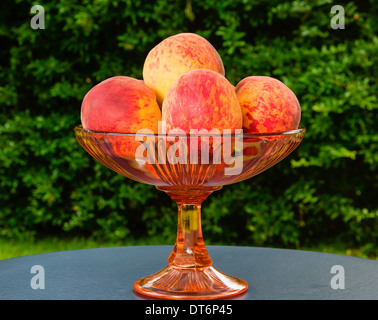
pixel 109 273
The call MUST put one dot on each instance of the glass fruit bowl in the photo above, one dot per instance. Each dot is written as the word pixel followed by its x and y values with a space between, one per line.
pixel 189 168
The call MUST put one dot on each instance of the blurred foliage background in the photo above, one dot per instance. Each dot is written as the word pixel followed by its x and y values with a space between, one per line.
pixel 325 193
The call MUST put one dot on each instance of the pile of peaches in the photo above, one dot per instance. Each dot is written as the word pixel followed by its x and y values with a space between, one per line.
pixel 184 84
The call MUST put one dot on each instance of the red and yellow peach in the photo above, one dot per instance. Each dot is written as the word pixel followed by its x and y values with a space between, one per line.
pixel 267 105
pixel 201 99
pixel 175 56
pixel 120 104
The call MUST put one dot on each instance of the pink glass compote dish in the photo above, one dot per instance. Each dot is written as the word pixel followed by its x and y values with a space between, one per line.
pixel 189 168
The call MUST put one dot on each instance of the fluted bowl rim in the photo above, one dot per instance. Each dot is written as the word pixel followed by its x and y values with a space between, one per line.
pixel 300 129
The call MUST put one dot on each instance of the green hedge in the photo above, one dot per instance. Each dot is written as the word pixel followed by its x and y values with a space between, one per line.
pixel 325 191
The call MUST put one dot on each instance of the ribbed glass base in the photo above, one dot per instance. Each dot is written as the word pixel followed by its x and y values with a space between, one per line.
pixel 190 284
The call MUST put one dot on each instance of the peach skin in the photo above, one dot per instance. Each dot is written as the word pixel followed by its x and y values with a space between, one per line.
pixel 120 104
pixel 175 56
pixel 202 99
pixel 267 105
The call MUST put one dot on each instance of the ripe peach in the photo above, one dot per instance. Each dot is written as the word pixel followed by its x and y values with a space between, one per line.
pixel 201 99
pixel 175 56
pixel 120 104
pixel 123 105
pixel 267 105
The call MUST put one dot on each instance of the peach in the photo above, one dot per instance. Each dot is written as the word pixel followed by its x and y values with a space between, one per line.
pixel 175 56
pixel 267 105
pixel 201 99
pixel 120 104
pixel 123 105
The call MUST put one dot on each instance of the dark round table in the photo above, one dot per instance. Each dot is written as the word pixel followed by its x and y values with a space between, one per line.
pixel 109 273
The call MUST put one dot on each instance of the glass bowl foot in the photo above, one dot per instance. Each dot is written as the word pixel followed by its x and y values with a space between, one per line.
pixel 187 283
